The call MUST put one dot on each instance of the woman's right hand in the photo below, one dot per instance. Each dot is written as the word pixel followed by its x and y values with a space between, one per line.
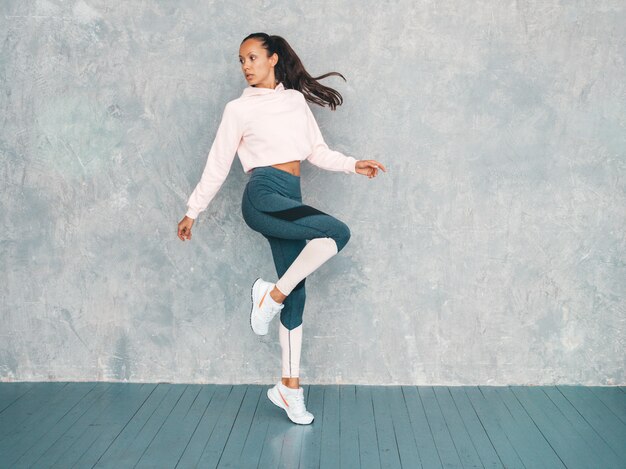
pixel 184 228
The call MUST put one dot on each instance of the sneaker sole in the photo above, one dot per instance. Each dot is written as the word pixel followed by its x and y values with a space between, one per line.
pixel 278 403
pixel 252 302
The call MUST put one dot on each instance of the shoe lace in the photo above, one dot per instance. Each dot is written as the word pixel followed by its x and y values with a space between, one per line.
pixel 269 312
pixel 297 404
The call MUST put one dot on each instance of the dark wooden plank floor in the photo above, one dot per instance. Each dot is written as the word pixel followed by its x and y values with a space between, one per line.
pixel 118 425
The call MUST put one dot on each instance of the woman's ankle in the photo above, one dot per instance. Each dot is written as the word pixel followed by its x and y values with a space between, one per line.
pixel 292 383
pixel 277 295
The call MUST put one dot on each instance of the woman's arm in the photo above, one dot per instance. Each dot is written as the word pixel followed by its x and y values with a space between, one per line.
pixel 218 163
pixel 323 156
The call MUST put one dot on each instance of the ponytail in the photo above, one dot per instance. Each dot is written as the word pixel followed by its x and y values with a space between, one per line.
pixel 292 74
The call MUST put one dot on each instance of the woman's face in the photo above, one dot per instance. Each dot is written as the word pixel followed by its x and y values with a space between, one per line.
pixel 257 67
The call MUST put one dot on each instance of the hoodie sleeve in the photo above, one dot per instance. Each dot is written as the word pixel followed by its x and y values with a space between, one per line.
pixel 218 162
pixel 323 156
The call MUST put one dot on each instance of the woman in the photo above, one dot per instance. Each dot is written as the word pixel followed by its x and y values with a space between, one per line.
pixel 271 127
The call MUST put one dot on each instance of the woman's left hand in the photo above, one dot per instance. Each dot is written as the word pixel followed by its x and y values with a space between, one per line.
pixel 368 168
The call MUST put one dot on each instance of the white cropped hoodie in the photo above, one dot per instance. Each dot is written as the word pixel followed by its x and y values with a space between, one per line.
pixel 264 127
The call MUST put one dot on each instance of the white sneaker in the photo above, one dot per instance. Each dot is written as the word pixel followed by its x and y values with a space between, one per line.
pixel 292 401
pixel 264 308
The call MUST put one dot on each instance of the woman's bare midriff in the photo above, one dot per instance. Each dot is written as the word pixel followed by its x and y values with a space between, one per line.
pixel 292 167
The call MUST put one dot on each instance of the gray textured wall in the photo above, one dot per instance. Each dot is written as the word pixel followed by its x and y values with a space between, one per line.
pixel 493 251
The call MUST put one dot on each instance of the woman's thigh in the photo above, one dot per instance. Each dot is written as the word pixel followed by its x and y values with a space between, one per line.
pixel 276 215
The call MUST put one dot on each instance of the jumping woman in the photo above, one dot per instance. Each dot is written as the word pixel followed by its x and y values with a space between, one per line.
pixel 272 129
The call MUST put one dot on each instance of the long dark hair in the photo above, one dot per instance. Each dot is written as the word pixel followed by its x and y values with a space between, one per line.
pixel 292 74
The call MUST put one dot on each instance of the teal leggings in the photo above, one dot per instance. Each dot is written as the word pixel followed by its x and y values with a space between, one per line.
pixel 272 206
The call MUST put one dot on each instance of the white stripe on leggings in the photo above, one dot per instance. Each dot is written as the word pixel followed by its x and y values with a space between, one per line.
pixel 291 345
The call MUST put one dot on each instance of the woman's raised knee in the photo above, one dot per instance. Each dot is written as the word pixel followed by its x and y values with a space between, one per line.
pixel 341 235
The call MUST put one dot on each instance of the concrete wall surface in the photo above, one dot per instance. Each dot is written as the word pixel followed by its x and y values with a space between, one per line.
pixel 493 251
